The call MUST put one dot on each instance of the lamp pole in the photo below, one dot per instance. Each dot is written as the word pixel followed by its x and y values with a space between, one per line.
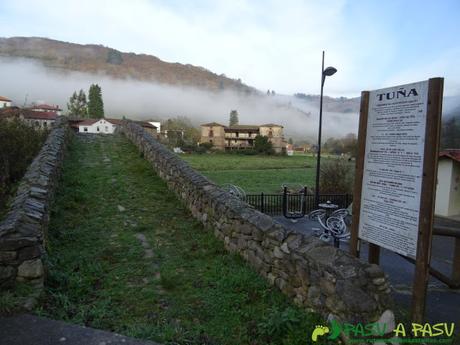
pixel 324 73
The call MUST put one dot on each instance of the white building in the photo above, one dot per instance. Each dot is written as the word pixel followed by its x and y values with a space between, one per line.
pixel 102 126
pixel 448 184
pixel 5 102
pixel 157 125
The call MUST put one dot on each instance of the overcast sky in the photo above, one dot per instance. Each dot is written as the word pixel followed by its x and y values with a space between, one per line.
pixel 268 44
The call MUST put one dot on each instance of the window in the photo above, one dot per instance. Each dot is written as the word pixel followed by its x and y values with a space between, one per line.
pixel 211 133
pixel 106 128
pixel 237 134
pixel 270 133
pixel 85 129
pixel 45 124
pixel 97 128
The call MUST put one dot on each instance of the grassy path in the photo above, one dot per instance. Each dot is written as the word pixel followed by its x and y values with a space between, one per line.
pixel 126 256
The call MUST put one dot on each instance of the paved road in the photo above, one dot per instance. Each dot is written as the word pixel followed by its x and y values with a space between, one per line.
pixel 34 330
pixel 443 304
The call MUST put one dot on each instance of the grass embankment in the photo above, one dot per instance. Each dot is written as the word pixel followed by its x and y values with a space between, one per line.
pixel 255 174
pixel 147 269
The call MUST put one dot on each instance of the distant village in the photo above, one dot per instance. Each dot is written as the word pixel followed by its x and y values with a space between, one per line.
pixel 221 137
pixel 42 116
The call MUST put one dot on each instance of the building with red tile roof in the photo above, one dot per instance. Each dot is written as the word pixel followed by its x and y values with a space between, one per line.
pixel 5 102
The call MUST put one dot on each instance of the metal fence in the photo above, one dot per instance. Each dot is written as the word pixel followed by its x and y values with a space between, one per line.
pixel 273 204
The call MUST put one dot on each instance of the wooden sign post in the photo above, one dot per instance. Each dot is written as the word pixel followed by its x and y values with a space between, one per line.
pixel 396 171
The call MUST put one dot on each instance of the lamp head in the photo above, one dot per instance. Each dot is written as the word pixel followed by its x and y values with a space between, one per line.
pixel 329 71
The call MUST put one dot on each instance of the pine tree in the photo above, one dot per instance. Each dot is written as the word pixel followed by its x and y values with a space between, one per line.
pixel 95 103
pixel 233 118
pixel 77 104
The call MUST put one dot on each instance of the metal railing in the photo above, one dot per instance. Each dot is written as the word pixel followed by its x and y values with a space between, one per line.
pixel 274 205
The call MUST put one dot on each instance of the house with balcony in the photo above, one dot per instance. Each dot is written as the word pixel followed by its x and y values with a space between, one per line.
pixel 241 136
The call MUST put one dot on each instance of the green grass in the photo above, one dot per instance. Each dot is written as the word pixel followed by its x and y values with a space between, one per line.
pixel 14 301
pixel 222 161
pixel 255 174
pixel 190 292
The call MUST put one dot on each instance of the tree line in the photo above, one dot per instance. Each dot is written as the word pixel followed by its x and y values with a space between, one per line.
pixel 91 107
pixel 346 145
pixel 450 133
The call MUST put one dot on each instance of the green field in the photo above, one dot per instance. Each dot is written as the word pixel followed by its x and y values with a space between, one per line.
pixel 255 174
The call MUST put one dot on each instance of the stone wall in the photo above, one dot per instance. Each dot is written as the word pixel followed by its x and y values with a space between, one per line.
pixel 23 230
pixel 313 273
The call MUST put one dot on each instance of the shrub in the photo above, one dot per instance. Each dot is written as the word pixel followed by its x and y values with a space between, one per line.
pixel 263 145
pixel 207 146
pixel 20 144
pixel 337 176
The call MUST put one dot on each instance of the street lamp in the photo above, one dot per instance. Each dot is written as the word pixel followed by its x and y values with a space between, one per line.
pixel 324 73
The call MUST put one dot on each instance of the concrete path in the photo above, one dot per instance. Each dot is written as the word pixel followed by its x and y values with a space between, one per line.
pixel 443 304
pixel 34 330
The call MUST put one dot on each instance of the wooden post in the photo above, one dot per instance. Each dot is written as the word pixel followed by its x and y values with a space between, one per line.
pixel 374 254
pixel 363 113
pixel 428 192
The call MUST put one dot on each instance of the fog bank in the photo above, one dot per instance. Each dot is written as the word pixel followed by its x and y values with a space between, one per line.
pixel 26 81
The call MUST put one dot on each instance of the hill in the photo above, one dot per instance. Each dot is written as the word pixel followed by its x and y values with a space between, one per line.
pixel 100 59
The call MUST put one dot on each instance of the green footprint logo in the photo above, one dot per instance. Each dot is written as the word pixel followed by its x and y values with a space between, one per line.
pixel 318 331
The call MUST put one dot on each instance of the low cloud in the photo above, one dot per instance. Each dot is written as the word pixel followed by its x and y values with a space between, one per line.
pixel 26 81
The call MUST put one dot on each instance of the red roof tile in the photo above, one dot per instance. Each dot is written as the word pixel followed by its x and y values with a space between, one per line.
pixel 40 115
pixel 46 107
pixel 4 99
pixel 87 122
pixel 450 153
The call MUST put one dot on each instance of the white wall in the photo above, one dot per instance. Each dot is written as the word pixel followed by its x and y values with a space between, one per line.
pixel 102 126
pixel 5 104
pixel 454 202
pixel 448 188
pixel 443 187
pixel 157 125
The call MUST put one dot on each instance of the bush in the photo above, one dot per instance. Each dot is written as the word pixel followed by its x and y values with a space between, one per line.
pixel 337 176
pixel 263 145
pixel 206 146
pixel 20 144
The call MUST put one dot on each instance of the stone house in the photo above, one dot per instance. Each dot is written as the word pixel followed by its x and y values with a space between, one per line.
pixel 40 119
pixel 448 184
pixel 241 136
